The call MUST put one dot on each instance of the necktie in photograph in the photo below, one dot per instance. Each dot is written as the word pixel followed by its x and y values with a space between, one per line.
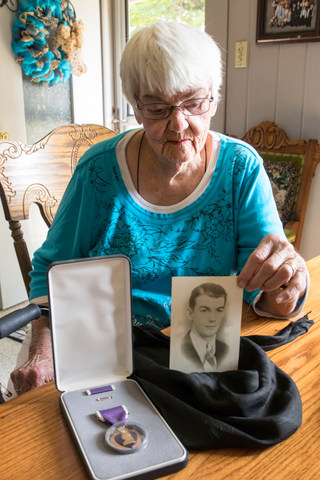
pixel 210 356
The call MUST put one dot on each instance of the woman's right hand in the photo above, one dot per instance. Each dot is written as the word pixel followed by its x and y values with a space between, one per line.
pixel 38 369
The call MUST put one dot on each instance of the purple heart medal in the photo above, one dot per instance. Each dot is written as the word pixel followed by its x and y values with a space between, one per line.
pixel 122 436
pixel 126 437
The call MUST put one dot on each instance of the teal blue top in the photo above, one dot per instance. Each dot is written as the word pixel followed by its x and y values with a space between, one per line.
pixel 211 236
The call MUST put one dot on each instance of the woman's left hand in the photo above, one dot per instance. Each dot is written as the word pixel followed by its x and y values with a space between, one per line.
pixel 279 271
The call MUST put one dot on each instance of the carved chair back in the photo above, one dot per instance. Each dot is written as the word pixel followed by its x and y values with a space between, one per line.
pixel 290 164
pixel 39 173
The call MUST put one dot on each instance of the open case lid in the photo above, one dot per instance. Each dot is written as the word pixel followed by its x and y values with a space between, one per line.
pixel 90 311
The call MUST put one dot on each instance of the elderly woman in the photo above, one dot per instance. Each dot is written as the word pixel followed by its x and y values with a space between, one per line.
pixel 176 198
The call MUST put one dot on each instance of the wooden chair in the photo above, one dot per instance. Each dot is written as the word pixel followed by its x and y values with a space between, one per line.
pixel 290 164
pixel 39 174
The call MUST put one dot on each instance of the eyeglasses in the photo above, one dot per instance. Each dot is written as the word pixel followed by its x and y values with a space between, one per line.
pixel 159 111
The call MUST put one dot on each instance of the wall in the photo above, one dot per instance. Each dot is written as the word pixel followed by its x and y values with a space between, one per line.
pixel 88 108
pixel 280 84
pixel 87 88
pixel 11 121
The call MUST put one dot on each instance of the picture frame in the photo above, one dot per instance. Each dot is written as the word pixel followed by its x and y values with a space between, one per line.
pixel 285 21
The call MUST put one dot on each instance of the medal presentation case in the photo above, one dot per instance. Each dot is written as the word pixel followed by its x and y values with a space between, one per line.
pixel 118 431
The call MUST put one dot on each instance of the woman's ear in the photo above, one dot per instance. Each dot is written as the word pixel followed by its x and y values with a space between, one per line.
pixel 137 115
pixel 137 112
pixel 213 108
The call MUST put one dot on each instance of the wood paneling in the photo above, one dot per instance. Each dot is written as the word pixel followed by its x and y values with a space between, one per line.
pixel 291 88
pixel 280 84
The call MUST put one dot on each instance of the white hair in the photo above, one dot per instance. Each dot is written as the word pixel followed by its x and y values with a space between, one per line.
pixel 170 58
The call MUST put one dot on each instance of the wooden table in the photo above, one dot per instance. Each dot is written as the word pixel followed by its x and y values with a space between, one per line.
pixel 36 444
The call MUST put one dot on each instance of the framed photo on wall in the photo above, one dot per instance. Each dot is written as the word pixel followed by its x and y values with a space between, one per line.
pixel 288 21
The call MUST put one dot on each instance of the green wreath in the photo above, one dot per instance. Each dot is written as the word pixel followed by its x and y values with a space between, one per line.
pixel 36 24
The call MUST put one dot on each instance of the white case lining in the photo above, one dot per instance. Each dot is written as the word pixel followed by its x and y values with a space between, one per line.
pixel 91 321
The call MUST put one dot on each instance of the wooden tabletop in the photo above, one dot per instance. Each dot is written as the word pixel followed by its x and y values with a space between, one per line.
pixel 35 441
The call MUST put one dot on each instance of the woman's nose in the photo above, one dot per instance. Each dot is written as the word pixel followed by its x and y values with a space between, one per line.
pixel 178 121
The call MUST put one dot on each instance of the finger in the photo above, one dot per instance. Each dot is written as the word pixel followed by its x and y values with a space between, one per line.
pixel 291 272
pixel 17 381
pixel 295 289
pixel 274 303
pixel 39 377
pixel 24 379
pixel 282 276
pixel 255 260
pixel 264 262
pixel 287 297
pixel 26 382
pixel 42 373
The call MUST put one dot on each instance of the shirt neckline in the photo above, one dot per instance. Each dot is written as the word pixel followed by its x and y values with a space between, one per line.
pixel 121 158
pixel 200 344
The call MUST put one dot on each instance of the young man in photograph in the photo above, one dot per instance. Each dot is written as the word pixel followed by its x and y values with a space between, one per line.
pixel 201 350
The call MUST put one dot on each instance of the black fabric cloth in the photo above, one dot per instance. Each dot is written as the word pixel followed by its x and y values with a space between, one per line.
pixel 257 405
pixel 287 334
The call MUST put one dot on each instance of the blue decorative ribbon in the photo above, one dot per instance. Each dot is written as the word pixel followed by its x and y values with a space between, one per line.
pixel 31 31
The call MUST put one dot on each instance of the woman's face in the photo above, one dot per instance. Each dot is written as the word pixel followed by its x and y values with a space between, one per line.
pixel 178 138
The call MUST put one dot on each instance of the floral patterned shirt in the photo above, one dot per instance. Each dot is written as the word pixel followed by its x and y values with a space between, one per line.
pixel 211 236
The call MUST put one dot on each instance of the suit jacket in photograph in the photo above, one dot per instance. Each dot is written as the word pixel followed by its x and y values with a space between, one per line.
pixel 192 359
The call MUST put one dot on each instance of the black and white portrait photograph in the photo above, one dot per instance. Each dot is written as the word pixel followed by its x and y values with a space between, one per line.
pixel 205 324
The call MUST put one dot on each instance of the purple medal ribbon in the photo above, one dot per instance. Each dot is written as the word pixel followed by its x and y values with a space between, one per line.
pixel 105 388
pixel 113 415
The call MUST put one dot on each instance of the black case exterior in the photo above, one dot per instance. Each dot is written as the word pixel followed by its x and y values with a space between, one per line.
pixel 90 312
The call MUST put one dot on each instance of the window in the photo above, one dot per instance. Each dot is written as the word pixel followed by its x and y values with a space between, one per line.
pixel 130 16
pixel 45 107
pixel 145 12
